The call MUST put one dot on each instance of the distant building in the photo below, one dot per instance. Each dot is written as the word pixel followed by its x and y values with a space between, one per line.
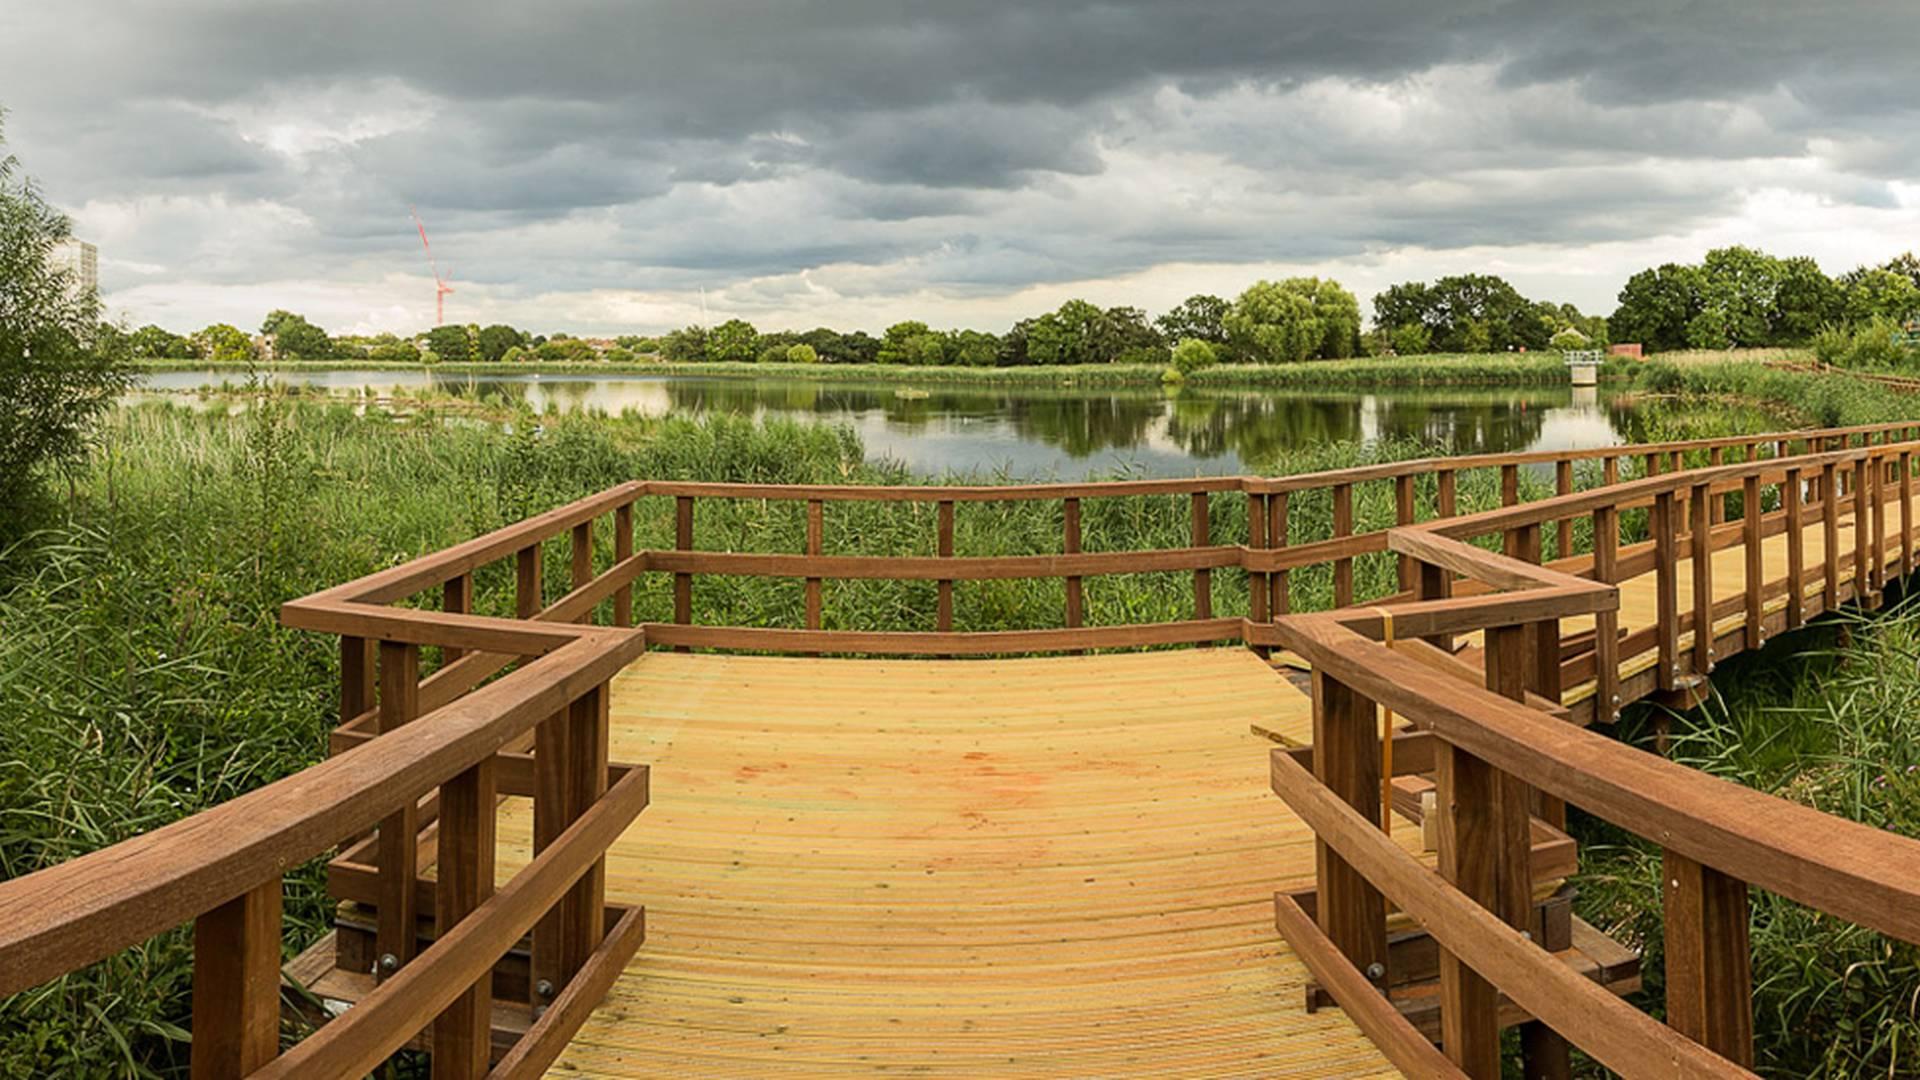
pixel 80 259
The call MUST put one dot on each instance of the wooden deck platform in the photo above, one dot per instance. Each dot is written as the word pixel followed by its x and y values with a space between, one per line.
pixel 1056 866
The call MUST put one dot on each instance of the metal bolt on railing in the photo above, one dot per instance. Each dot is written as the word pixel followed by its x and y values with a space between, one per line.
pixel 544 988
pixel 389 962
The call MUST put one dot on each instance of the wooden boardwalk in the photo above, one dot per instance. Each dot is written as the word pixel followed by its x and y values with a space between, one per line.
pixel 1059 866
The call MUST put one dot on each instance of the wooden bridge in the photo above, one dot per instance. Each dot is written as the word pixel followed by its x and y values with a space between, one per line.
pixel 1078 851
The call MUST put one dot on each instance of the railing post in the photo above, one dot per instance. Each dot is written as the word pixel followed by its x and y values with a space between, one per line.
pixel 683 582
pixel 622 551
pixel 1509 484
pixel 528 588
pixel 1202 579
pixel 1609 470
pixel 1756 566
pixel 570 775
pixel 357 668
pixel 1342 526
pixel 1484 850
pixel 399 839
pixel 1257 541
pixel 236 985
pixel 1702 557
pixel 1709 967
pixel 456 598
pixel 1666 578
pixel 1448 501
pixel 1906 512
pixel 463 1032
pixel 1830 538
pixel 583 561
pixel 1403 515
pixel 1346 758
pixel 1070 544
pixel 1606 624
pixel 1716 457
pixel 1563 530
pixel 943 614
pixel 1878 496
pixel 1279 594
pixel 1790 493
pixel 1862 543
pixel 1435 583
pixel 816 544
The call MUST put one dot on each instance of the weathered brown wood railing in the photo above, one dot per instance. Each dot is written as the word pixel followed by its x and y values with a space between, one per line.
pixel 1498 762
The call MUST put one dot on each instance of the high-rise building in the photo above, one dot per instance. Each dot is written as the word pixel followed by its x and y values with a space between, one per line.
pixel 80 259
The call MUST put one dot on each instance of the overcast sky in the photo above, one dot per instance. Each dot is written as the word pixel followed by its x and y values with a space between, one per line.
pixel 629 167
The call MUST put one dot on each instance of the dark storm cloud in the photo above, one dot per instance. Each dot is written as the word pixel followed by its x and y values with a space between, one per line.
pixel 588 143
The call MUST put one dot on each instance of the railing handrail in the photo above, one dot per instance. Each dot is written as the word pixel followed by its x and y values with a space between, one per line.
pixel 76 912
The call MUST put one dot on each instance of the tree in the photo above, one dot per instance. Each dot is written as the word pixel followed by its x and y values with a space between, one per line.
pixel 561 349
pixel 223 343
pixel 153 343
pixel 450 343
pixel 1657 305
pixel 294 338
pixel 1193 354
pixel 897 343
pixel 1403 307
pixel 802 353
pixel 733 341
pixel 58 373
pixel 971 348
pixel 1880 294
pixel 492 343
pixel 388 349
pixel 1739 287
pixel 1411 339
pixel 1292 320
pixel 1806 300
pixel 684 346
pixel 1201 317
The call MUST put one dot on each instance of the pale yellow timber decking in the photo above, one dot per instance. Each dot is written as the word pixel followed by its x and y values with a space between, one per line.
pixel 1059 867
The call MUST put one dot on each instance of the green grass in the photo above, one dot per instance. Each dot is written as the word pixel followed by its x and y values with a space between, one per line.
pixel 1819 400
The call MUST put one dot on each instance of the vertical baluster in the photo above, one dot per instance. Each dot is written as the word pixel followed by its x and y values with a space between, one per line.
pixel 583 909
pixel 357 667
pixel 529 594
pixel 1703 653
pixel 622 551
pixel 1666 561
pixel 456 597
pixel 816 545
pixel 1448 502
pixel 1716 457
pixel 1653 465
pixel 1435 583
pixel 1606 624
pixel 1563 530
pixel 1403 515
pixel 1346 758
pixel 463 1032
pixel 582 568
pixel 1280 596
pixel 1790 493
pixel 1509 484
pixel 943 604
pixel 1709 967
pixel 1257 585
pixel 1862 527
pixel 1342 526
pixel 1877 495
pixel 1070 544
pixel 1755 559
pixel 1906 512
pixel 683 582
pixel 236 985
pixel 1484 851
pixel 1609 470
pixel 398 847
pixel 1830 537
pixel 1202 579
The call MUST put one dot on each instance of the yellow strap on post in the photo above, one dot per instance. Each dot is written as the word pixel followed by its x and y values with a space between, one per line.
pixel 1386 736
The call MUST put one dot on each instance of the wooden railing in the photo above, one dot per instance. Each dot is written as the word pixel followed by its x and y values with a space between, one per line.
pixel 515 705
pixel 1498 762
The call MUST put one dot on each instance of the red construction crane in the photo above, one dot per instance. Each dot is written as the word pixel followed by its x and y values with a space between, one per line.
pixel 440 286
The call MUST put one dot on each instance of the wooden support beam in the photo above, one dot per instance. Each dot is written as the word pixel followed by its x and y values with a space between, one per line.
pixel 816 545
pixel 236 985
pixel 529 591
pixel 622 551
pixel 1702 556
pixel 456 597
pixel 1664 521
pixel 1279 596
pixel 683 541
pixel 1709 965
pixel 1563 530
pixel 462 1032
pixel 1756 567
pixel 1606 637
pixel 1342 527
pixel 1790 495
pixel 943 607
pixel 398 845
pixel 1352 913
pixel 1403 515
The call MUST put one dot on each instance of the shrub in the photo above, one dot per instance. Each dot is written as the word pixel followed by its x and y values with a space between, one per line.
pixel 1193 354
pixel 1569 340
pixel 802 354
pixel 1412 339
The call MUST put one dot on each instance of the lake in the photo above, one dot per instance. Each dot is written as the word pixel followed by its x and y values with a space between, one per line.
pixel 1046 431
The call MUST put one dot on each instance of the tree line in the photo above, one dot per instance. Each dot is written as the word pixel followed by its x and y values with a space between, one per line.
pixel 1736 297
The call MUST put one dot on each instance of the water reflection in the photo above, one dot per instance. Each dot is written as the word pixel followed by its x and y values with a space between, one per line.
pixel 1051 431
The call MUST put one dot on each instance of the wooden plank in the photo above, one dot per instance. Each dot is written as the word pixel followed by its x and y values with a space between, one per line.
pixel 462 1032
pixel 1708 959
pixel 398 856
pixel 1365 1005
pixel 1346 759
pixel 236 985
pixel 544 1042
